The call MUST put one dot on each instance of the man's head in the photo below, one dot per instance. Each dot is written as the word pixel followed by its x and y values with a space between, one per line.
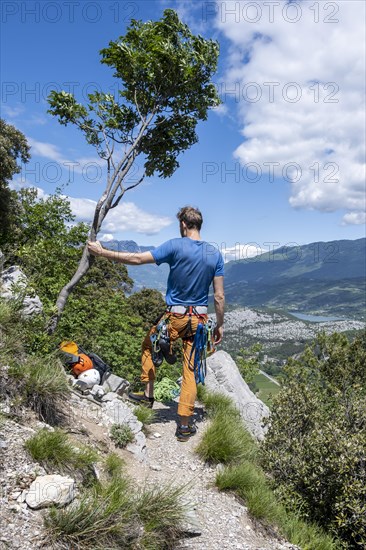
pixel 189 218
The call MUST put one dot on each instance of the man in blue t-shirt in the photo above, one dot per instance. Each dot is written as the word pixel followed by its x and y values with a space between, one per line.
pixel 194 265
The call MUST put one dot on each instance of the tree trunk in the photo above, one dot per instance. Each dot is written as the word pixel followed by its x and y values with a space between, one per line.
pixel 84 265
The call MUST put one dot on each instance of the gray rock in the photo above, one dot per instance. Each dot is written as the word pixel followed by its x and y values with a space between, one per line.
pixel 138 446
pixel 114 383
pixel 119 413
pixel 13 276
pixel 110 396
pixel 50 490
pixel 223 376
pixel 97 392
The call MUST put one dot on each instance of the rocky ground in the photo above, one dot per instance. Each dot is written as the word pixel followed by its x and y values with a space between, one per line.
pixel 222 521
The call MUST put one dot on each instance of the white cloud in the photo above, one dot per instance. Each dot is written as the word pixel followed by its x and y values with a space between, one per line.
pixel 241 252
pixel 90 167
pixel 47 150
pixel 12 112
pixel 125 217
pixel 354 218
pixel 106 237
pixel 273 62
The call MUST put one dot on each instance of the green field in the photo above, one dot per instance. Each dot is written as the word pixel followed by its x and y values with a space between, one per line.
pixel 266 389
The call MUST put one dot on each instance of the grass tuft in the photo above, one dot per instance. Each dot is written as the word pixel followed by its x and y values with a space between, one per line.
pixel 115 515
pixel 114 465
pixel 145 415
pixel 42 384
pixel 54 449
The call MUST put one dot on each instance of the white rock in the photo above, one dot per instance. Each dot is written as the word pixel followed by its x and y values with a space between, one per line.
pixel 49 490
pixel 13 276
pixel 157 435
pixel 223 376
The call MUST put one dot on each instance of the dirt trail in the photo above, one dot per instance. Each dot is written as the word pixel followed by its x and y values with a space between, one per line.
pixel 223 521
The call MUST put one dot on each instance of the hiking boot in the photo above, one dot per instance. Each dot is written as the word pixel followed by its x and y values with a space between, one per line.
pixel 139 398
pixel 183 433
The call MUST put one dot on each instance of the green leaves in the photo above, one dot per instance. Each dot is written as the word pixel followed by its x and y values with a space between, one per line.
pixel 315 446
pixel 165 86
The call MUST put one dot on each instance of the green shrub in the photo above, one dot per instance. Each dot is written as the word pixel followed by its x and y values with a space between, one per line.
pixel 122 434
pixel 315 446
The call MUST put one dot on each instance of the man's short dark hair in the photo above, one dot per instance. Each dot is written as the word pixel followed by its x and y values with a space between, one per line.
pixel 192 217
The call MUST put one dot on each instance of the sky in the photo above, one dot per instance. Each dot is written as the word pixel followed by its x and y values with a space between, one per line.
pixel 280 162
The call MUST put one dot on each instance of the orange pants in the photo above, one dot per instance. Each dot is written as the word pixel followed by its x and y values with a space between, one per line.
pixel 177 325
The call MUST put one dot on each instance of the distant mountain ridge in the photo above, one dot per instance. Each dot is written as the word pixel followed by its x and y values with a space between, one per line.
pixel 320 277
pixel 144 276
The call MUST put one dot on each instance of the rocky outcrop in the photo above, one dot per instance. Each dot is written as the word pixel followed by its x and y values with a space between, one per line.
pixel 12 282
pixel 223 376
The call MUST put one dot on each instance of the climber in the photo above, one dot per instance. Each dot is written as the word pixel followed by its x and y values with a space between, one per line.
pixel 194 265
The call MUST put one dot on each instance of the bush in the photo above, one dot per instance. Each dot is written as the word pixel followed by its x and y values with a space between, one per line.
pixel 122 434
pixel 315 446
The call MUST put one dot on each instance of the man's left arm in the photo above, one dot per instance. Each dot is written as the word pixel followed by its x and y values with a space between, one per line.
pixel 129 258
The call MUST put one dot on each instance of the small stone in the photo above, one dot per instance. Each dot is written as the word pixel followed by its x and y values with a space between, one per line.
pixel 155 467
pixel 157 435
pixel 247 527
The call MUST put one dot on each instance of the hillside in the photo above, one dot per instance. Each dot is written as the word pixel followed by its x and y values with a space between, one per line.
pixel 320 277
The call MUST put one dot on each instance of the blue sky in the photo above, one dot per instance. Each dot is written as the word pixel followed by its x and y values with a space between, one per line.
pixel 281 161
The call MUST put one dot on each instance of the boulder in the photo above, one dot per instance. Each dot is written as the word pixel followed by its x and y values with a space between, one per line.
pixel 114 383
pixel 13 276
pixel 223 376
pixel 50 490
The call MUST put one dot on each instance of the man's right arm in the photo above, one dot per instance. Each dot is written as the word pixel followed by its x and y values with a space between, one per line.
pixel 219 298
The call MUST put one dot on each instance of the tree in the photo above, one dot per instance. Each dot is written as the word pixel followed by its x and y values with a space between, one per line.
pixel 13 146
pixel 248 363
pixel 315 446
pixel 164 73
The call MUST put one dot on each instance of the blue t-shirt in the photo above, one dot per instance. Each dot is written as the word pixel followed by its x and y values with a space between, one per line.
pixel 193 265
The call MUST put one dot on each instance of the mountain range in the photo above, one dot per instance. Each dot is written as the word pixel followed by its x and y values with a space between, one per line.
pixel 320 277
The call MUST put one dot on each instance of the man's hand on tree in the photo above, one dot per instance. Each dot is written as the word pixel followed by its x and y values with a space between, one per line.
pixel 218 334
pixel 95 248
